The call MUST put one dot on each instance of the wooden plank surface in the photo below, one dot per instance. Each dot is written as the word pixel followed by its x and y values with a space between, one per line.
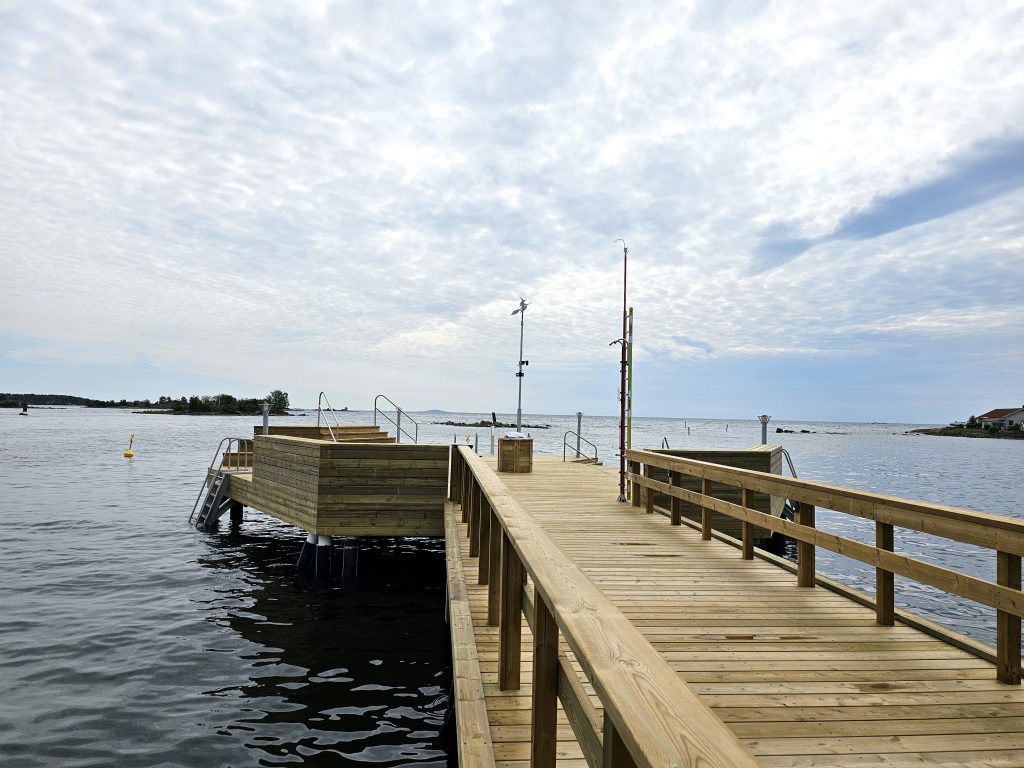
pixel 802 676
pixel 508 711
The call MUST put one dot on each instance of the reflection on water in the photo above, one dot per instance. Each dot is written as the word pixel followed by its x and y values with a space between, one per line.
pixel 359 673
pixel 128 638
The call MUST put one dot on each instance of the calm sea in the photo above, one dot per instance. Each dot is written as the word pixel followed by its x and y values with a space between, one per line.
pixel 128 638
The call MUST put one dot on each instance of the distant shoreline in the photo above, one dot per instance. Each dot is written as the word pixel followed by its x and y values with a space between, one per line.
pixel 965 432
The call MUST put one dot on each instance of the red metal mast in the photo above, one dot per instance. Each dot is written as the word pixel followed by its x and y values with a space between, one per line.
pixel 622 385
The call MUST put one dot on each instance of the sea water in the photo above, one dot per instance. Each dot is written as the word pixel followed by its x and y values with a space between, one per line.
pixel 129 638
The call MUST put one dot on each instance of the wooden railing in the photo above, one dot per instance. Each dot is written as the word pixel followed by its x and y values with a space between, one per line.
pixel 1004 535
pixel 650 716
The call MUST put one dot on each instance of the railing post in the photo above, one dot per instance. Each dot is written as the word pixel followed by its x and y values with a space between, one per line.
pixel 484 566
pixel 805 549
pixel 615 754
pixel 398 426
pixel 649 497
pixel 467 481
pixel 705 512
pixel 747 529
pixel 885 588
pixel 453 480
pixel 676 503
pixel 494 569
pixel 634 468
pixel 544 723
pixel 1007 624
pixel 510 632
pixel 474 519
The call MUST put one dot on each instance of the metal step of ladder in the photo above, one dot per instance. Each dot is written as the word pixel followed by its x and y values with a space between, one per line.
pixel 214 504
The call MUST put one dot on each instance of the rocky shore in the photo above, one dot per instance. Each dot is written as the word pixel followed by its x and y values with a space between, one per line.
pixel 968 432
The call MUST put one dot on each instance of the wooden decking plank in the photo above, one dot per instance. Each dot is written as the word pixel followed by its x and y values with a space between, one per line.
pixel 806 676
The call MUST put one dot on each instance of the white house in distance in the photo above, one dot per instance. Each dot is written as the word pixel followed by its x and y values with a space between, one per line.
pixel 1002 417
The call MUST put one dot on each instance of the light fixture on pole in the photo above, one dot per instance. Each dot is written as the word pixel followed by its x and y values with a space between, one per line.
pixel 764 417
pixel 622 385
pixel 522 320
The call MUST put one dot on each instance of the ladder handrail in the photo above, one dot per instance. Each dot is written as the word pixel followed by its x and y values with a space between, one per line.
pixel 239 443
pixel 565 444
pixel 399 429
pixel 330 409
pixel 789 460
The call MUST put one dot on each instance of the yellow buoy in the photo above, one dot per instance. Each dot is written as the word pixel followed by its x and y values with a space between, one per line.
pixel 129 453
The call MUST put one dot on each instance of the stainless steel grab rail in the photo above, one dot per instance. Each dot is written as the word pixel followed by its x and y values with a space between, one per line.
pixel 399 430
pixel 576 450
pixel 320 411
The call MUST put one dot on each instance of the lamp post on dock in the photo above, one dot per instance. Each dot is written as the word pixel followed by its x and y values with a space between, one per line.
pixel 764 417
pixel 622 385
pixel 522 321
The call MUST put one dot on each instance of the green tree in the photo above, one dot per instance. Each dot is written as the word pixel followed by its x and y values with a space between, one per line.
pixel 278 402
pixel 972 422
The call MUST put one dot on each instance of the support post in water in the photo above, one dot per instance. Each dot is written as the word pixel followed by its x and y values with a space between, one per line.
pixel 322 564
pixel 350 561
pixel 307 558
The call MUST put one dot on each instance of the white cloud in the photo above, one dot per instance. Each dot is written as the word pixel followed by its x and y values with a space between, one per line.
pixel 375 183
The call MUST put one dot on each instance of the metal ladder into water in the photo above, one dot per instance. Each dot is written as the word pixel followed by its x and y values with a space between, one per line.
pixel 211 503
pixel 214 505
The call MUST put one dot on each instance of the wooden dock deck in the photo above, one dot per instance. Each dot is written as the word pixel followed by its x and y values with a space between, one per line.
pixel 667 646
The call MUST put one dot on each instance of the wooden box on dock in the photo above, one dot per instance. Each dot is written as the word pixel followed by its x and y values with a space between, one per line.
pixel 515 454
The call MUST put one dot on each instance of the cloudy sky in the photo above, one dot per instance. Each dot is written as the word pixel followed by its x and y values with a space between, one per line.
pixel 823 203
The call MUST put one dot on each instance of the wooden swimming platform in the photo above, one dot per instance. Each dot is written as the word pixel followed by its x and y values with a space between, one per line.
pixel 591 632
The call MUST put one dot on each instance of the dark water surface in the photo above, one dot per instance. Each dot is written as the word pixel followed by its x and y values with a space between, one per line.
pixel 128 638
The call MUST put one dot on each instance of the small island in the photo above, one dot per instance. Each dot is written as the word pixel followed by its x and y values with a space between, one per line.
pixel 196 405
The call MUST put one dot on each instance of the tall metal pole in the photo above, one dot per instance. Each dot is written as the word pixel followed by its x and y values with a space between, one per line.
pixel 622 384
pixel 579 428
pixel 629 383
pixel 522 321
pixel 519 407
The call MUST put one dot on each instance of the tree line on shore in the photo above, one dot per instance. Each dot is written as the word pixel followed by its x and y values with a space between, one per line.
pixel 222 404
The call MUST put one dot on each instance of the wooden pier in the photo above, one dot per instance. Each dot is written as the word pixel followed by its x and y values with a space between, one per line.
pixel 590 632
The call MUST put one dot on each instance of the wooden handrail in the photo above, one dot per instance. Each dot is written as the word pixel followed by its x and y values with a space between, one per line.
pixel 1002 534
pixel 651 717
pixel 474 737
pixel 986 530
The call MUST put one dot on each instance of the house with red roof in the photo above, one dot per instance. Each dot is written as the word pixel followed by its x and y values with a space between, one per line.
pixel 1002 417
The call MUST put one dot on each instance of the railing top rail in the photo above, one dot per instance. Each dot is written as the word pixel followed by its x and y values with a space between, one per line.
pixel 659 718
pixel 908 513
